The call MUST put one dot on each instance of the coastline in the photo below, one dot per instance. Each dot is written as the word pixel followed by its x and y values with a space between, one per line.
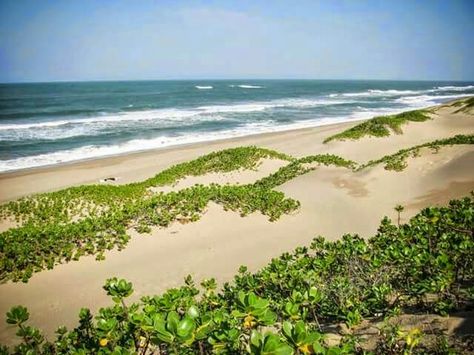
pixel 12 182
pixel 25 161
pixel 19 183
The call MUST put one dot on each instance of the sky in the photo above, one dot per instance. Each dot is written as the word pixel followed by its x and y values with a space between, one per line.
pixel 66 40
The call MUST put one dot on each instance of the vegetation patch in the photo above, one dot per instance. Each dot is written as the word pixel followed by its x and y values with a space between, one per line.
pixel 87 200
pixel 222 161
pixel 329 159
pixel 299 167
pixel 381 126
pixel 426 265
pixel 465 105
pixel 89 220
pixel 397 161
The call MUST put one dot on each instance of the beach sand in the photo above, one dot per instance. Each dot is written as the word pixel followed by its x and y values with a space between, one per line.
pixel 333 200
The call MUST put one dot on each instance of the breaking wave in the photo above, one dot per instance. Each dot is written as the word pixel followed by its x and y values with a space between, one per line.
pixel 204 87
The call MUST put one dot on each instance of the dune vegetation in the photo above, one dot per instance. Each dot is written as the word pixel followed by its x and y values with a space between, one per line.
pixel 61 226
pixel 426 265
pixel 464 105
pixel 381 126
pixel 88 220
pixel 397 161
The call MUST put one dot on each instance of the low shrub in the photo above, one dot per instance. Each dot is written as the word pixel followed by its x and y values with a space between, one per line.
pixel 281 308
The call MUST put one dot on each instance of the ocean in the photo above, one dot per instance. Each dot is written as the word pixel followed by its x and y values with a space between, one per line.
pixel 51 123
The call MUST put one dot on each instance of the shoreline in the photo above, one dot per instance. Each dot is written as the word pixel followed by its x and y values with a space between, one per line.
pixel 285 129
pixel 112 160
pixel 18 183
pixel 295 126
pixel 169 147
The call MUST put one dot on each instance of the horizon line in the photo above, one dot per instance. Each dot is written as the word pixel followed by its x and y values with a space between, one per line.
pixel 226 79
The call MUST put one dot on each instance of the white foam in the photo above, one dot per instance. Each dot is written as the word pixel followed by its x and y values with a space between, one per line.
pixel 90 152
pixel 420 101
pixel 391 92
pixel 33 125
pixel 175 114
pixel 376 93
pixel 51 134
pixel 250 86
pixel 250 107
pixel 206 87
pixel 455 88
pixel 296 102
pixel 121 117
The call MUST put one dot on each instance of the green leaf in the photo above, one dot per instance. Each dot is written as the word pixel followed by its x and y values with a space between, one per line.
pixel 193 312
pixel 17 315
pixel 287 328
pixel 185 328
pixel 255 338
pixel 172 322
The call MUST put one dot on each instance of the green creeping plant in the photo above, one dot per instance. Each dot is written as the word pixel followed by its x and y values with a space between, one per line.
pixel 301 339
pixel 381 126
pixel 329 159
pixel 465 105
pixel 268 344
pixel 397 161
pixel 253 310
pixel 285 307
pixel 90 220
pixel 62 226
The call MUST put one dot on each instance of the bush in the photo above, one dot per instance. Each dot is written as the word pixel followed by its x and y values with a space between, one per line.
pixel 280 309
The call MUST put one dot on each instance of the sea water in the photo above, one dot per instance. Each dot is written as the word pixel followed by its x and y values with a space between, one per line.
pixel 51 123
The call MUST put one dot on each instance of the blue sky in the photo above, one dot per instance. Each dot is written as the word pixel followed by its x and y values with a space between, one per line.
pixel 121 40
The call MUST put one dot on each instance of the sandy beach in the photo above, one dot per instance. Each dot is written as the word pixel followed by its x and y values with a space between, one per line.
pixel 333 201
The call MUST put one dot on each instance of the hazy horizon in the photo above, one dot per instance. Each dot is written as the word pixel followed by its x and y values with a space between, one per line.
pixel 69 41
pixel 236 79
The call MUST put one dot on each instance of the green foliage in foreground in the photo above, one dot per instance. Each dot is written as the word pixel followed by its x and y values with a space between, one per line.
pixel 88 220
pixel 381 126
pixel 397 161
pixel 427 265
